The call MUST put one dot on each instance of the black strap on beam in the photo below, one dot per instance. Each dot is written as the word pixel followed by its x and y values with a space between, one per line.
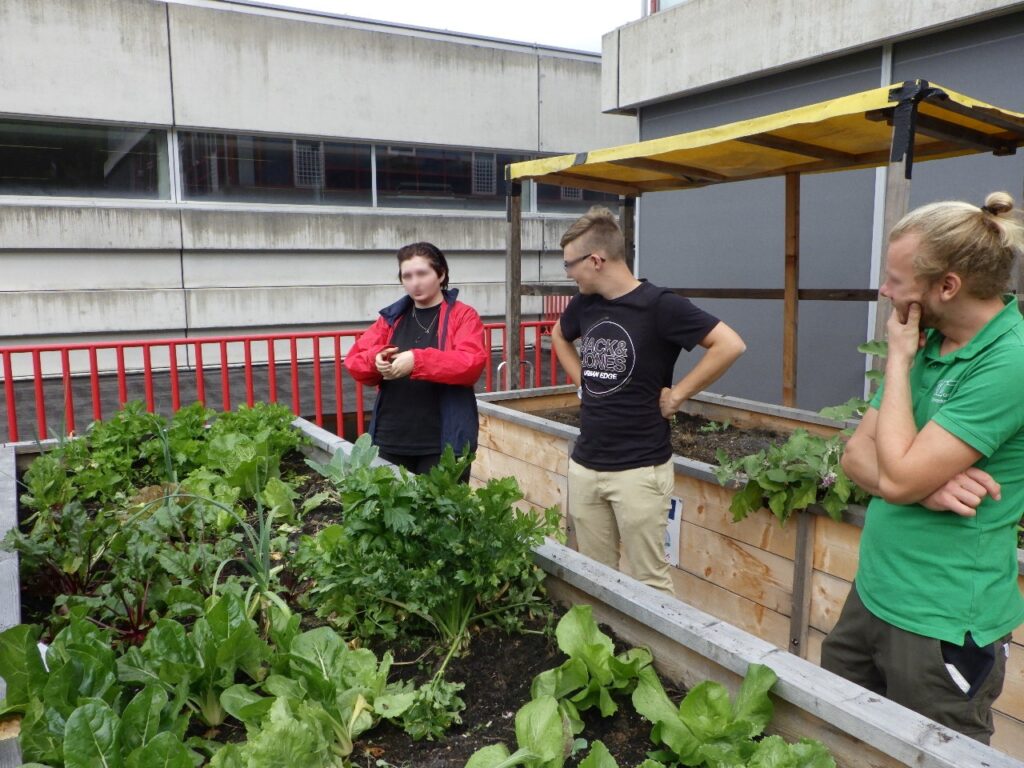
pixel 512 189
pixel 904 125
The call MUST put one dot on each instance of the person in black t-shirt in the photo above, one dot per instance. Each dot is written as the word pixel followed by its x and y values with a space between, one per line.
pixel 630 332
pixel 425 352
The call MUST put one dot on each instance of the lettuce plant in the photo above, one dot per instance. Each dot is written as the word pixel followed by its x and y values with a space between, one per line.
pixel 593 675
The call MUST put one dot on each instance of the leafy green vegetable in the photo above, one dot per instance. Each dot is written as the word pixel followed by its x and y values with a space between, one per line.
pixel 593 674
pixel 786 478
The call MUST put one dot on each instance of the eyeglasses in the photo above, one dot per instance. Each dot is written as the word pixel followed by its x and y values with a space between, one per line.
pixel 569 264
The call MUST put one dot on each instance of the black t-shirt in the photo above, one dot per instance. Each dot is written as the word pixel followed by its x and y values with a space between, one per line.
pixel 409 419
pixel 628 350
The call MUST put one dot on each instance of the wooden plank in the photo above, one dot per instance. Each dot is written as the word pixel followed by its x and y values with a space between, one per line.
pixel 706 504
pixel 760 576
pixel 1011 700
pixel 836 548
pixel 673 170
pixel 513 279
pixel 790 309
pixel 771 626
pixel 1009 735
pixel 799 148
pixel 828 594
pixel 549 452
pixel 539 485
pixel 753 420
pixel 897 202
pixel 799 621
pixel 564 399
pixel 10 595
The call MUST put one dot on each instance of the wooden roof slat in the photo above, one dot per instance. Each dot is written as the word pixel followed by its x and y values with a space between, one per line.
pixel 676 170
pixel 584 182
pixel 798 147
pixel 982 115
pixel 946 131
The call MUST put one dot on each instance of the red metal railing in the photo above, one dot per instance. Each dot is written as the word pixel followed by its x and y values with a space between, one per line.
pixel 181 368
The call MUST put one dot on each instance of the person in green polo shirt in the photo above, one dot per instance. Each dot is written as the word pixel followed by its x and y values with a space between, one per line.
pixel 941 449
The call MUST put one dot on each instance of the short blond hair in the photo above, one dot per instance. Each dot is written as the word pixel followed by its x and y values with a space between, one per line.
pixel 598 230
pixel 978 243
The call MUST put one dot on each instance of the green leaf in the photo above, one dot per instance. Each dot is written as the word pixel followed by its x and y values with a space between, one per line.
pixel 877 347
pixel 164 751
pixel 21 667
pixel 140 720
pixel 753 706
pixel 540 729
pixel 92 737
pixel 244 705
pixel 497 756
pixel 599 757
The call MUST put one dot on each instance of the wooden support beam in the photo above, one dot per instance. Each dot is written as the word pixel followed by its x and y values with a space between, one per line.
pixel 897 201
pixel 792 283
pixel 563 179
pixel 675 170
pixel 803 568
pixel 967 137
pixel 769 294
pixel 982 115
pixel 513 283
pixel 798 148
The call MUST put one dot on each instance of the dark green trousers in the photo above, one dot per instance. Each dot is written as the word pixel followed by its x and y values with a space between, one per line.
pixel 952 685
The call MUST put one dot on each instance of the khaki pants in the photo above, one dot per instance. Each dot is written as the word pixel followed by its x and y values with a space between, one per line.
pixel 911 670
pixel 627 507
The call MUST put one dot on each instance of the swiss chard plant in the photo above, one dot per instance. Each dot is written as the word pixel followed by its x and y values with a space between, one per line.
pixel 75 710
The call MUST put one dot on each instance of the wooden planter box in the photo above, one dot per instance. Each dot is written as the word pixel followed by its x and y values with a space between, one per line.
pixel 689 645
pixel 785 585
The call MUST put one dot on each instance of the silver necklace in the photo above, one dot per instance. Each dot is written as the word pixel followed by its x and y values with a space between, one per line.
pixel 430 326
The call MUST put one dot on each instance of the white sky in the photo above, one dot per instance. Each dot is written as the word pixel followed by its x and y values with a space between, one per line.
pixel 575 24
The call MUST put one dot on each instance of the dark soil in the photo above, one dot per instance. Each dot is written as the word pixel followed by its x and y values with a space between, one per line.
pixel 695 437
pixel 497 671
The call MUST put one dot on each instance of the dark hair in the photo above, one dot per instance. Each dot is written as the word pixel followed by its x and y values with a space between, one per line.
pixel 431 253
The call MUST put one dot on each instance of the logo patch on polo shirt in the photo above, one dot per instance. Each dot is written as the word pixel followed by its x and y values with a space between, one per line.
pixel 944 390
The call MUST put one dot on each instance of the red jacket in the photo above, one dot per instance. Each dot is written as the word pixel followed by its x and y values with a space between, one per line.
pixel 458 362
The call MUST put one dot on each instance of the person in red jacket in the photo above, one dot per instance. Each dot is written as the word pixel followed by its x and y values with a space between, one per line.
pixel 425 352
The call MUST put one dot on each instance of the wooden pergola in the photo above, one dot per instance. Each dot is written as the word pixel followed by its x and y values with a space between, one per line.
pixel 892 126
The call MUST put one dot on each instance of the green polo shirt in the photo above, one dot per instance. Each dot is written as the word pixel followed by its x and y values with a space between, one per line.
pixel 936 573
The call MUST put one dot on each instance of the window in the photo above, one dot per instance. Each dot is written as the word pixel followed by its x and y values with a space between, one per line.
pixel 428 177
pixel 485 177
pixel 238 168
pixel 58 159
pixel 551 198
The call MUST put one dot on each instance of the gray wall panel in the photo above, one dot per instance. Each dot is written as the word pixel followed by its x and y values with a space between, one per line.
pixel 733 236
pixel 985 61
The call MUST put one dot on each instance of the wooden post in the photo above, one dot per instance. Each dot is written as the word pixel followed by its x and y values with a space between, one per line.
pixel 803 568
pixel 792 285
pixel 628 219
pixel 897 200
pixel 513 282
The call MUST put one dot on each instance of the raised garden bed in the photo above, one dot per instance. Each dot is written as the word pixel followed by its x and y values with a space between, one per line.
pixel 783 584
pixel 690 646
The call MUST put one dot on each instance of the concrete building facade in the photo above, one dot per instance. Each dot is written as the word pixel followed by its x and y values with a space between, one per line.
pixel 708 62
pixel 195 167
